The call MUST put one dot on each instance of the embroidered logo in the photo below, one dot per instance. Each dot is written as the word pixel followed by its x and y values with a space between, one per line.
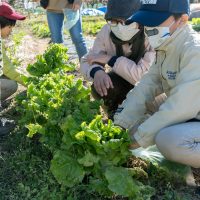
pixel 171 75
pixel 149 1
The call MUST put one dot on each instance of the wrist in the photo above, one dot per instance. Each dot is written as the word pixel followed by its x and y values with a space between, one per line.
pixel 94 70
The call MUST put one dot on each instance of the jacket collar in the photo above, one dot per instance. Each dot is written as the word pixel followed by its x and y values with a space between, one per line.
pixel 176 38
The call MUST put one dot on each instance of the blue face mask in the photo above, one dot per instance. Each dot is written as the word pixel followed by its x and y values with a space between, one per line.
pixel 158 35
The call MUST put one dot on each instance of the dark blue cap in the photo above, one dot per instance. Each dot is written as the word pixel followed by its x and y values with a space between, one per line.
pixel 121 10
pixel 155 12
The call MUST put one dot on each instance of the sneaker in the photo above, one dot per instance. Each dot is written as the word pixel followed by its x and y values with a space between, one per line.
pixel 6 126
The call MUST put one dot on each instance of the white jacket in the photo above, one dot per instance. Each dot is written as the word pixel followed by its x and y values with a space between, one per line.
pixel 176 72
pixel 124 67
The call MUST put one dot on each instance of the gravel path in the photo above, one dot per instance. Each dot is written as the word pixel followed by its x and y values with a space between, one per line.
pixel 71 49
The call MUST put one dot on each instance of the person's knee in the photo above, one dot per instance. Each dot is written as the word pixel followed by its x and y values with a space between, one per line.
pixel 77 39
pixel 164 144
pixel 12 87
pixel 8 88
pixel 76 35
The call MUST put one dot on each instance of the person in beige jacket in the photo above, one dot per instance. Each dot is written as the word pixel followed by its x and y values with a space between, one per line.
pixel 57 10
pixel 175 127
pixel 124 49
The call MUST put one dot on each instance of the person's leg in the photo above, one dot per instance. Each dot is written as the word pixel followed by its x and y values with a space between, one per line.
pixel 55 22
pixel 116 95
pixel 7 88
pixel 77 38
pixel 181 143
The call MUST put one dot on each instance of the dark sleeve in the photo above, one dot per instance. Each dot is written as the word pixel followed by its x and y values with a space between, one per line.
pixel 71 1
pixel 94 70
pixel 44 3
pixel 112 61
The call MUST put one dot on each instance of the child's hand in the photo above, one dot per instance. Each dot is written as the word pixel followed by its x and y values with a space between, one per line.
pixel 76 6
pixel 134 144
pixel 102 82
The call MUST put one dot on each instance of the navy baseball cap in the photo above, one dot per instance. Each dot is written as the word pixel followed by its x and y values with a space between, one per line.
pixel 155 12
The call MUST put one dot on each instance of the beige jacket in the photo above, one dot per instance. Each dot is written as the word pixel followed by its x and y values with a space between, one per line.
pixel 59 5
pixel 124 67
pixel 176 72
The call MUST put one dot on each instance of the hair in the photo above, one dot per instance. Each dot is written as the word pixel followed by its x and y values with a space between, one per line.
pixel 6 22
pixel 139 44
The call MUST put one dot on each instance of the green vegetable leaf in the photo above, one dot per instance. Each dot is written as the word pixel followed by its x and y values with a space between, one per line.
pixel 66 169
pixel 121 182
pixel 35 128
pixel 89 159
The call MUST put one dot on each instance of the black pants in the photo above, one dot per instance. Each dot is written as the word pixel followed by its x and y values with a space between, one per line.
pixel 115 95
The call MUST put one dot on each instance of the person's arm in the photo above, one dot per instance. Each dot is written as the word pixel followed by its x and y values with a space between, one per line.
pixel 77 4
pixel 9 70
pixel 131 71
pixel 133 109
pixel 182 104
pixel 88 70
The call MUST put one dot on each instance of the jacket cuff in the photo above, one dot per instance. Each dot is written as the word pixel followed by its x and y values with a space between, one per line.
pixel 122 123
pixel 94 70
pixel 143 142
pixel 112 61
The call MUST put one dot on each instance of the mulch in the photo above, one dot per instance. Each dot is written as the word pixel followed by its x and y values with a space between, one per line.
pixel 196 174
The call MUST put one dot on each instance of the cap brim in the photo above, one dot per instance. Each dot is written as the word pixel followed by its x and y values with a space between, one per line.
pixel 149 18
pixel 16 16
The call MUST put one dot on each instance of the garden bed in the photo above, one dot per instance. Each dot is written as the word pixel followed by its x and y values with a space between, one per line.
pixel 62 128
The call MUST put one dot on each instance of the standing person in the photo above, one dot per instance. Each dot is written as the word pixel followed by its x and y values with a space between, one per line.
pixel 9 76
pixel 124 49
pixel 175 128
pixel 55 17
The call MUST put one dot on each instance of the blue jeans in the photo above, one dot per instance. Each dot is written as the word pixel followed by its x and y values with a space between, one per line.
pixel 55 22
